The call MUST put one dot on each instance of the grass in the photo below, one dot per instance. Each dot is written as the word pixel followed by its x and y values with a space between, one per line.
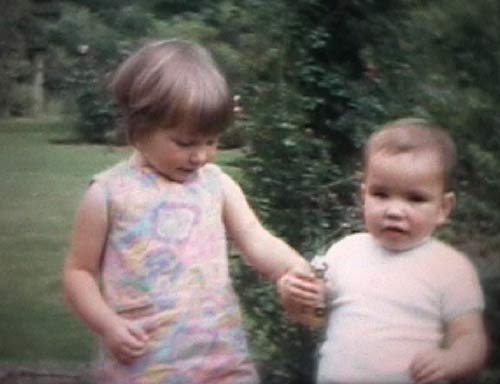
pixel 41 185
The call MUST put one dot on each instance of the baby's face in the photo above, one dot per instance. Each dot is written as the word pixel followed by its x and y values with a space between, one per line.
pixel 403 198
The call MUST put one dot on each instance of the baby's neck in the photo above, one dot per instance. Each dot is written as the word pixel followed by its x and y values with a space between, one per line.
pixel 421 243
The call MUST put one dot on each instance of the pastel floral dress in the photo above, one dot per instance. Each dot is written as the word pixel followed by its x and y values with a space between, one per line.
pixel 166 258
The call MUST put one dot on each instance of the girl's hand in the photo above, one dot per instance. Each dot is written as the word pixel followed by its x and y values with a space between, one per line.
pixel 432 366
pixel 128 339
pixel 302 295
pixel 300 288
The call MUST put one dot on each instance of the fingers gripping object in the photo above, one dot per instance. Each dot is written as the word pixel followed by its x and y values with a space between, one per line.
pixel 319 268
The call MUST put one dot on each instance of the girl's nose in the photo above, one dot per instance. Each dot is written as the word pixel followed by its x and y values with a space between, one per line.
pixel 199 156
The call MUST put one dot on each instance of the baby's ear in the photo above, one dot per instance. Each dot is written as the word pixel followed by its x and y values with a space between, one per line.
pixel 361 194
pixel 447 206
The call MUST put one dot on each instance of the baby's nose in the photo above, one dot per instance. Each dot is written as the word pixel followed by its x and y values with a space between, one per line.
pixel 395 210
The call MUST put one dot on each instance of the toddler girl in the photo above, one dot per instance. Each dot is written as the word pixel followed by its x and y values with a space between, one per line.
pixel 148 267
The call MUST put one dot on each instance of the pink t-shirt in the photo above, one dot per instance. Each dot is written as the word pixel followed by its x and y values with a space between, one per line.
pixel 386 307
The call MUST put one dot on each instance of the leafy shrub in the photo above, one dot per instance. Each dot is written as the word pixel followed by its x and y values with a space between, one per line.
pixel 233 137
pixel 21 100
pixel 97 116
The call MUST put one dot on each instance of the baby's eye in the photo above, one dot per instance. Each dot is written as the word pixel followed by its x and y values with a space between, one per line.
pixel 380 194
pixel 417 198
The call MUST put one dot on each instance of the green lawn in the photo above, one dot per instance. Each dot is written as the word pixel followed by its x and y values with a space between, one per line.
pixel 40 186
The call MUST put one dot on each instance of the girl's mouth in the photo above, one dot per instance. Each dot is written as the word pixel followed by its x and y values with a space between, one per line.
pixel 185 170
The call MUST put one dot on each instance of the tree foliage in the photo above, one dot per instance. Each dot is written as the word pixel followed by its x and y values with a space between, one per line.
pixel 22 31
pixel 345 67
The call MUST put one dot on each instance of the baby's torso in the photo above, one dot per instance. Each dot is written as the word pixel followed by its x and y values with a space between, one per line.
pixel 385 310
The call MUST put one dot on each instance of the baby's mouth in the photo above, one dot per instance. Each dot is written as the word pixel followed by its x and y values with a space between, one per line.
pixel 393 229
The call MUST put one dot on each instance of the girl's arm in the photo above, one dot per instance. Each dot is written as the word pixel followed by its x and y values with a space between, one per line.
pixel 125 339
pixel 265 252
pixel 82 264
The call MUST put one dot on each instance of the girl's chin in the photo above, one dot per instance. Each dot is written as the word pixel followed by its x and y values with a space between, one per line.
pixel 178 177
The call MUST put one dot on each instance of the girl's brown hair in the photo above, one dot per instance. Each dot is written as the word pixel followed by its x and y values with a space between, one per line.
pixel 414 135
pixel 172 83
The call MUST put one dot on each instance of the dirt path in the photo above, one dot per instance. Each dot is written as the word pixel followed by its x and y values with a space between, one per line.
pixel 44 373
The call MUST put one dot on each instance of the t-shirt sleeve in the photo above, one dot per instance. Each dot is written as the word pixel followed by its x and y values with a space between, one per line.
pixel 462 291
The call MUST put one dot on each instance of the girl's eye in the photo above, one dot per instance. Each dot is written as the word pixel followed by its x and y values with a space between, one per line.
pixel 187 143
pixel 184 144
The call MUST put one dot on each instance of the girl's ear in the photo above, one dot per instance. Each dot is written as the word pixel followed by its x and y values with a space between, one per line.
pixel 447 206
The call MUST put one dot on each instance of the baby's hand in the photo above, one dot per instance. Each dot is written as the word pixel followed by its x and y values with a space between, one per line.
pixel 128 339
pixel 432 366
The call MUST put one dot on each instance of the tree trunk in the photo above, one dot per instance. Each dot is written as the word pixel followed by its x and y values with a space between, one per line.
pixel 38 80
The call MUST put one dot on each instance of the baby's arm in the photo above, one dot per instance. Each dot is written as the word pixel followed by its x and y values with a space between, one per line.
pixel 464 355
pixel 265 252
pixel 125 338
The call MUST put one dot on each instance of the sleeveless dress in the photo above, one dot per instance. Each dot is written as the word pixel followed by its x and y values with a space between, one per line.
pixel 166 258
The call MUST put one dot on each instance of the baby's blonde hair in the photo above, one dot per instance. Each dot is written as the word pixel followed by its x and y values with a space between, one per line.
pixel 172 83
pixel 410 135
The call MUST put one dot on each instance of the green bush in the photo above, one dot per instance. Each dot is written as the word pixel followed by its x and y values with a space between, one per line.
pixel 97 116
pixel 233 137
pixel 21 100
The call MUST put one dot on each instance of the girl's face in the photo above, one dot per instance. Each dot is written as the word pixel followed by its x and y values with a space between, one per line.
pixel 177 153
pixel 403 198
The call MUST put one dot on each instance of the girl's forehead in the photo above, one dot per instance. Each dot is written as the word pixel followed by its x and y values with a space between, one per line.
pixel 190 133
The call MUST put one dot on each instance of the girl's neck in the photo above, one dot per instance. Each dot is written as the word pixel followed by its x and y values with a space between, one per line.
pixel 139 159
